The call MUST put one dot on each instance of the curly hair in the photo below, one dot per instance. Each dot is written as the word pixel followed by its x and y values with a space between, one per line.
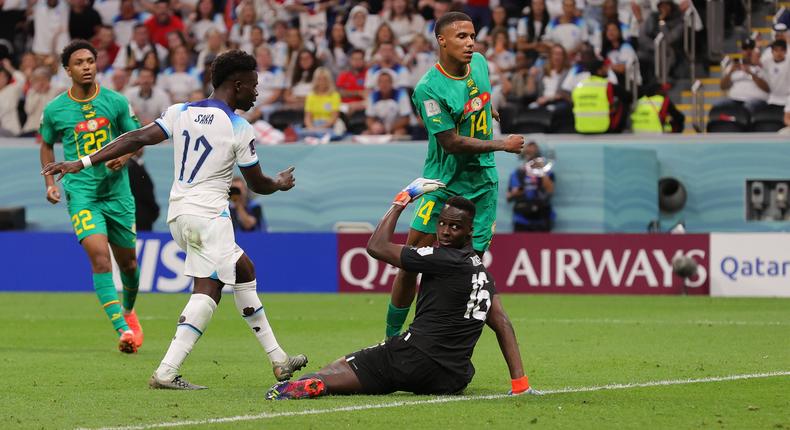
pixel 73 47
pixel 229 63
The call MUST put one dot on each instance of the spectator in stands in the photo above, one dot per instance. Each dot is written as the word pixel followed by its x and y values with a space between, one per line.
pixel 530 189
pixel 420 58
pixel 669 21
pixel 619 53
pixel 301 79
pixel 215 45
pixel 388 109
pixel 162 22
pixel 777 73
pixel 611 13
pixel 384 34
pixel 146 208
pixel 440 7
pixel 176 39
pixel 278 45
pixel 514 89
pixel 83 20
pixel 568 30
pixel 245 214
pixel 105 41
pixel 578 71
pixel 50 27
pixel 498 22
pixel 126 21
pixel 597 103
pixel 312 20
pixel 131 56
pixel 150 62
pixel 295 44
pixel 780 32
pixel 180 79
pixel 361 27
pixel 206 18
pixel 500 55
pixel 333 53
pixel 241 32
pixel 655 113
pixel 351 83
pixel 387 60
pixel 119 80
pixel 404 22
pixel 321 107
pixel 744 79
pixel 147 100
pixel 544 82
pixel 272 83
pixel 532 27
pixel 40 93
pixel 479 11
pixel 12 82
pixel 257 38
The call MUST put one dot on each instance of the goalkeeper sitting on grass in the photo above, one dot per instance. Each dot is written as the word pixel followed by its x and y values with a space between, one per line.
pixel 456 299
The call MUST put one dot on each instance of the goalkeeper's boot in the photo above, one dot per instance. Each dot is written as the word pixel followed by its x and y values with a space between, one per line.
pixel 134 325
pixel 178 383
pixel 301 389
pixel 284 370
pixel 127 342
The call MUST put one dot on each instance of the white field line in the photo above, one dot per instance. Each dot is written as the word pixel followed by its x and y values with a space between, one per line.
pixel 651 322
pixel 453 399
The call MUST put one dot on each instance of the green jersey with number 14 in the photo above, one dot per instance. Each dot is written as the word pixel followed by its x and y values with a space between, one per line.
pixel 84 127
pixel 463 103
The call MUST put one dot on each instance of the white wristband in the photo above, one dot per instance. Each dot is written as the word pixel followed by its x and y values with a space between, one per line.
pixel 86 161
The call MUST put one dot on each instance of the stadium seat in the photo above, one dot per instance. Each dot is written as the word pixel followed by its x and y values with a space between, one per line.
pixel 769 118
pixel 532 120
pixel 356 123
pixel 507 116
pixel 281 119
pixel 728 117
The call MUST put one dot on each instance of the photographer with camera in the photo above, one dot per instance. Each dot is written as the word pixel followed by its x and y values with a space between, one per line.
pixel 245 214
pixel 530 188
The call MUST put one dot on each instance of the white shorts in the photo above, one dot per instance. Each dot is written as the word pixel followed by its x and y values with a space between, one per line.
pixel 210 245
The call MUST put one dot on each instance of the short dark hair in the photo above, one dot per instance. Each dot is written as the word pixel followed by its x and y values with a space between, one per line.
pixel 73 47
pixel 463 204
pixel 779 43
pixel 356 51
pixel 229 63
pixel 447 19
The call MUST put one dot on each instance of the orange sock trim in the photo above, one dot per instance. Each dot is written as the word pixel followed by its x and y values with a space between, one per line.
pixel 520 385
pixel 114 302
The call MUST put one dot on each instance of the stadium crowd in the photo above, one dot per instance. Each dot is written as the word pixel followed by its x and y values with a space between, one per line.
pixel 333 68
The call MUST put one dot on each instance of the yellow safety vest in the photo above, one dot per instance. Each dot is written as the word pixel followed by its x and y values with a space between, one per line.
pixel 647 116
pixel 591 105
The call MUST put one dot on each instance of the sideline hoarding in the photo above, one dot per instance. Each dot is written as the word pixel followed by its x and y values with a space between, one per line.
pixel 750 264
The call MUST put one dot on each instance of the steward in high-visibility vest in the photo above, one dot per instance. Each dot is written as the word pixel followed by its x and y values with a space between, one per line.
pixel 592 102
pixel 650 115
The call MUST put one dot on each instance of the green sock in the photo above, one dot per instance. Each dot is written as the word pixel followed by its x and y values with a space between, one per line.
pixel 130 286
pixel 108 297
pixel 395 318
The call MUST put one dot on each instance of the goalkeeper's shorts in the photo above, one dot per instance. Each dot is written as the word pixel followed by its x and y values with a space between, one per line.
pixel 396 365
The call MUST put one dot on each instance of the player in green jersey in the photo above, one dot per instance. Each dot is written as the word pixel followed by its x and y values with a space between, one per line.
pixel 454 101
pixel 99 201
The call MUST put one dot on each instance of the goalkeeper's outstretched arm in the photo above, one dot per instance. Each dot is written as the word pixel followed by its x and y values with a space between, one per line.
pixel 500 323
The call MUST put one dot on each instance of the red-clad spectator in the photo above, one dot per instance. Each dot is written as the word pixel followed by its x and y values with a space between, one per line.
pixel 351 83
pixel 162 22
pixel 105 40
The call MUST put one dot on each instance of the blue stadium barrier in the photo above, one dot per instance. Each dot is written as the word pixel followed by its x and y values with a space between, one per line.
pixel 284 262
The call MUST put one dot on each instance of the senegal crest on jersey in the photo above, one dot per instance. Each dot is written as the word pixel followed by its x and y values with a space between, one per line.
pixel 477 103
pixel 91 125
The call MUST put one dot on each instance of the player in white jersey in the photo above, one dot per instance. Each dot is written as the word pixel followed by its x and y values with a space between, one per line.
pixel 208 139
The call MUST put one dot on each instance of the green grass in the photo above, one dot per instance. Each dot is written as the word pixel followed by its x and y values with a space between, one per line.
pixel 60 368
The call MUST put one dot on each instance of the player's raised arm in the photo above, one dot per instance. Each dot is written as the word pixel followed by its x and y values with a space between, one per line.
pixel 500 323
pixel 259 183
pixel 456 144
pixel 126 143
pixel 380 244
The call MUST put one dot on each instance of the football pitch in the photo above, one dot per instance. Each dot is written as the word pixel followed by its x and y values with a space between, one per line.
pixel 604 361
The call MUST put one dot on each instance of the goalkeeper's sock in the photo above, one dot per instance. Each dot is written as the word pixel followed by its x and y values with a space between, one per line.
pixel 395 318
pixel 131 284
pixel 108 297
pixel 249 306
pixel 191 325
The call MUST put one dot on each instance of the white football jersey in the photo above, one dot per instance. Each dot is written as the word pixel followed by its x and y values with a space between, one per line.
pixel 208 139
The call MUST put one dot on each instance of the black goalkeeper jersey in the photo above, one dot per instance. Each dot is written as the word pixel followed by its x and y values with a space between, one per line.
pixel 454 298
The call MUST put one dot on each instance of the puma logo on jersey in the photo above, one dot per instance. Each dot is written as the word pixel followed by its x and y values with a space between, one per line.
pixel 204 119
